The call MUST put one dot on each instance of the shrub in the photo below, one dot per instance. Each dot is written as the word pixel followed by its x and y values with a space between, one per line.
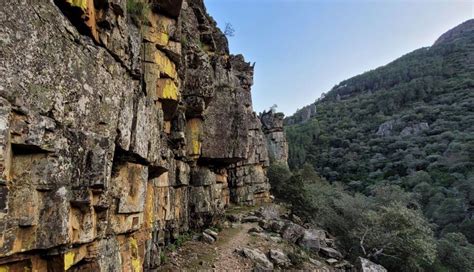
pixel 278 174
pixel 138 10
pixel 393 233
pixel 456 253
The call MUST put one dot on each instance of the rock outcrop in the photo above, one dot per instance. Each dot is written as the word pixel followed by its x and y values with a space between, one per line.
pixel 397 127
pixel 122 124
pixel 272 125
pixel 301 115
pixel 364 265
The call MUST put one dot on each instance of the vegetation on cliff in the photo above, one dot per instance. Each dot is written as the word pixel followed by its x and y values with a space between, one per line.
pixel 405 130
pixel 385 226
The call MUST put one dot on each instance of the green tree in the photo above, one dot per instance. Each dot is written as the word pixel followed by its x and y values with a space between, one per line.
pixel 278 174
pixel 399 238
pixel 455 253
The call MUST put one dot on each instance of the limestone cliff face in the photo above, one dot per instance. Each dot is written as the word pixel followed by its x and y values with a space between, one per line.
pixel 120 127
pixel 272 126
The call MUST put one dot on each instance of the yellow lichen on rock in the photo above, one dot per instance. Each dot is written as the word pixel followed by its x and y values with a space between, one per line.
pixel 152 35
pixel 166 66
pixel 193 129
pixel 69 260
pixel 136 264
pixel 162 23
pixel 149 213
pixel 82 4
pixel 167 89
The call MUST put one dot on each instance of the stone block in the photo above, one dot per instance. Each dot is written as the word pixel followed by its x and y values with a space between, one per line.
pixel 130 182
pixel 182 173
pixel 82 224
pixel 202 176
pixel 155 36
pixel 167 89
pixel 193 137
pixel 166 67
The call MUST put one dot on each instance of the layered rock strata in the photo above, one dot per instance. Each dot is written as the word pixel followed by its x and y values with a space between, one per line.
pixel 272 126
pixel 122 124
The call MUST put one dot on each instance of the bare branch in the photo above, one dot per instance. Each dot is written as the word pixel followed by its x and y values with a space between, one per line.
pixel 229 30
pixel 362 241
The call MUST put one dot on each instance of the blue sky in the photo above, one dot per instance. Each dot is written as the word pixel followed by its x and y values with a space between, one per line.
pixel 304 47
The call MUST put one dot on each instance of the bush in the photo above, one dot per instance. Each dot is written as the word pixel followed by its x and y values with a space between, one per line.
pixel 393 233
pixel 455 252
pixel 390 232
pixel 278 174
pixel 137 10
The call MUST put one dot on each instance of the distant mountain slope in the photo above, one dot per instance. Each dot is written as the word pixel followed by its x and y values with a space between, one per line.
pixel 410 122
pixel 458 32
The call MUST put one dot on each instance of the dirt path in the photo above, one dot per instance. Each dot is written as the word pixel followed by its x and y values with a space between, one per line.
pixel 220 256
pixel 196 255
pixel 227 259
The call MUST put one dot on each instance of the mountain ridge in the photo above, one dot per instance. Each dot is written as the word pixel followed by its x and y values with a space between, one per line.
pixel 461 32
pixel 407 123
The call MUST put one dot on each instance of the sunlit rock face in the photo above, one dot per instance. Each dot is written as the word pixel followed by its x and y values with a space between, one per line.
pixel 272 126
pixel 121 126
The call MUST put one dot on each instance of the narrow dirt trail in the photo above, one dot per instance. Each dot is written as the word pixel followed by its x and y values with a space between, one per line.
pixel 220 256
pixel 227 259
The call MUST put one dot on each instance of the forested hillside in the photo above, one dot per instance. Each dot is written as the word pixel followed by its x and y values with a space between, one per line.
pixel 408 124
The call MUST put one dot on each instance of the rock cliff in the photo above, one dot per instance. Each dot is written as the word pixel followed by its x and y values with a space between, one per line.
pixel 122 124
pixel 272 125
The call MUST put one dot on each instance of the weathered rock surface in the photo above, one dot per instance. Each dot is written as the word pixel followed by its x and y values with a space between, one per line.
pixel 275 135
pixel 414 129
pixel 331 252
pixel 260 259
pixel 312 239
pixel 250 219
pixel 394 127
pixel 279 258
pixel 208 238
pixel 118 131
pixel 292 232
pixel 364 265
pixel 212 233
pixel 302 115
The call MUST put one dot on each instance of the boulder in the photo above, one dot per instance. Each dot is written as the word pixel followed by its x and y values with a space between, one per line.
pixel 292 232
pixel 261 261
pixel 279 258
pixel 264 224
pixel 208 238
pixel 345 265
pixel 255 229
pixel 315 262
pixel 269 212
pixel 212 233
pixel 276 225
pixel 364 265
pixel 312 239
pixel 275 239
pixel 331 252
pixel 250 219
